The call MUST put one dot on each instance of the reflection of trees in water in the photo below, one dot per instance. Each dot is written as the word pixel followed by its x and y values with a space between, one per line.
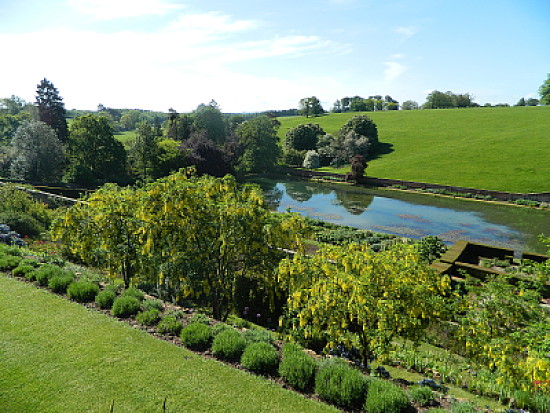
pixel 301 191
pixel 354 202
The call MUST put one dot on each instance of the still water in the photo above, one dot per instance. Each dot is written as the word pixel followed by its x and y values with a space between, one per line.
pixel 412 215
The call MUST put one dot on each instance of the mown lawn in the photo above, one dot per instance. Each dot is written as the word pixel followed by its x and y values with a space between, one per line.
pixel 490 148
pixel 59 356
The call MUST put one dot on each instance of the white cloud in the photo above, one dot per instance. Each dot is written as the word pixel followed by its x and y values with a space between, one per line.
pixel 393 70
pixel 398 56
pixel 117 9
pixel 407 31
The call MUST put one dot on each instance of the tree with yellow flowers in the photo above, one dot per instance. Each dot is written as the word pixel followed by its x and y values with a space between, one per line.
pixel 358 297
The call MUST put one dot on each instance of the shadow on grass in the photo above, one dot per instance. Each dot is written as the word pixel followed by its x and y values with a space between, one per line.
pixel 383 148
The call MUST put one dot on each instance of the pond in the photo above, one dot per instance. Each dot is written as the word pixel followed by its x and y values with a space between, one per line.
pixel 412 215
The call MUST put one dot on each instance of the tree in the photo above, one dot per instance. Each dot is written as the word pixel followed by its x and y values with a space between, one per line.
pixel 357 104
pixel 544 92
pixel 521 102
pixel 358 166
pixel 303 137
pixel 353 296
pixel 130 120
pixel 51 109
pixel 362 125
pixel 310 107
pixel 39 155
pixel 93 147
pixel 9 124
pixel 204 155
pixel 179 127
pixel 209 118
pixel 409 105
pixel 532 102
pixel 260 147
pixel 311 160
pixel 13 105
pixel 439 100
pixel 337 107
pixel 144 152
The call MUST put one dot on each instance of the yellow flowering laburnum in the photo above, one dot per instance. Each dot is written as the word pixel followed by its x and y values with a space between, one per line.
pixel 354 295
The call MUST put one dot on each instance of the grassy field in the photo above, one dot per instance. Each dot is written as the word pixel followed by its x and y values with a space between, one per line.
pixel 59 356
pixel 489 148
pixel 126 138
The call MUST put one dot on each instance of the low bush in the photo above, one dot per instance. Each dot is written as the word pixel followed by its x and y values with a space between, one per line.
pixel 254 335
pixel 463 408
pixel 229 344
pixel 152 305
pixel 45 272
pixel 105 298
pixel 197 336
pixel 82 291
pixel 297 368
pixel 133 292
pixel 385 397
pixel 220 327
pixel 260 358
pixel 149 317
pixel 9 262
pixel 422 395
pixel 200 318
pixel 341 385
pixel 22 270
pixel 30 261
pixel 170 325
pixel 125 306
pixel 22 223
pixel 60 283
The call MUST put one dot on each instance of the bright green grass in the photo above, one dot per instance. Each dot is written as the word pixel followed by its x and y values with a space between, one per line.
pixel 59 356
pixel 504 149
pixel 126 138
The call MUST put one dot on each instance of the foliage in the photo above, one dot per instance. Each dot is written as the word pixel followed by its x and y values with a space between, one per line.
pixel 82 291
pixel 197 336
pixel 93 146
pixel 362 126
pixel 14 201
pixel 22 270
pixel 169 325
pixel 133 292
pixel 220 327
pixel 39 155
pixel 385 397
pixel 9 237
pixel 202 153
pixel 421 395
pixel 144 153
pixel 544 92
pixel 148 317
pixel 440 100
pixel 359 297
pixel 311 160
pixel 431 248
pixel 125 307
pixel 258 335
pixel 229 345
pixel 105 299
pixel 22 224
pixel 200 318
pixel 59 283
pixel 152 305
pixel 259 140
pixel 51 109
pixel 260 358
pixel 358 166
pixel 9 262
pixel 464 407
pixel 297 368
pixel 47 271
pixel 303 137
pixel 409 105
pixel 339 384
pixel 209 119
pixel 310 107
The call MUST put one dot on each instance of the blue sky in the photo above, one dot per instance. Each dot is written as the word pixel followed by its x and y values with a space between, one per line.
pixel 255 55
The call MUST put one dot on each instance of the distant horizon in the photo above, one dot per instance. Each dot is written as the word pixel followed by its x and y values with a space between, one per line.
pixel 157 54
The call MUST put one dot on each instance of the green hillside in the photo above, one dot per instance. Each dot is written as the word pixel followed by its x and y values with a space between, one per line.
pixel 490 148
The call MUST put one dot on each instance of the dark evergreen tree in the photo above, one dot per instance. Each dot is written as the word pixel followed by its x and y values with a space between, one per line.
pixel 51 109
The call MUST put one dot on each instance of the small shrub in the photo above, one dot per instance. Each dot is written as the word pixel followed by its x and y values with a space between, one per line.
pixel 385 397
pixel 169 325
pixel 125 306
pixel 339 384
pixel 152 305
pixel 220 327
pixel 29 261
pixel 82 291
pixel 133 292
pixel 290 348
pixel 111 287
pixel 105 299
pixel 260 358
pixel 9 262
pixel 297 368
pixel 149 317
pixel 200 318
pixel 197 336
pixel 45 272
pixel 258 336
pixel 422 395
pixel 229 344
pixel 22 270
pixel 463 408
pixel 60 283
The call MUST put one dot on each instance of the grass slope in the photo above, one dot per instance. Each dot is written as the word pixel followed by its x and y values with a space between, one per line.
pixel 59 356
pixel 504 149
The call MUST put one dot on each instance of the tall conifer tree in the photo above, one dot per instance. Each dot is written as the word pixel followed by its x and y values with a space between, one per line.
pixel 51 109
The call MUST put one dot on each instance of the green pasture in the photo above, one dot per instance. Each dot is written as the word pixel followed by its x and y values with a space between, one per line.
pixel 505 149
pixel 126 138
pixel 59 356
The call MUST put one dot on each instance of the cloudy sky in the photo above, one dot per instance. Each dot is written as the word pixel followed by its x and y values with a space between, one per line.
pixel 254 55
